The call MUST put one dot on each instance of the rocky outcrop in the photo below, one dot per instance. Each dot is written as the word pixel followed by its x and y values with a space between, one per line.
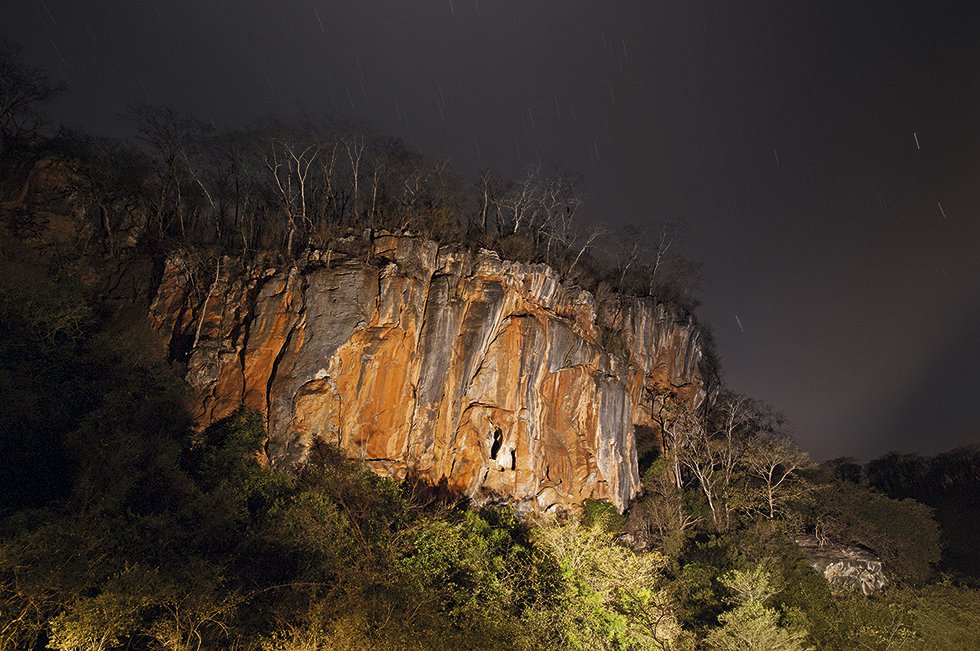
pixel 486 376
pixel 846 567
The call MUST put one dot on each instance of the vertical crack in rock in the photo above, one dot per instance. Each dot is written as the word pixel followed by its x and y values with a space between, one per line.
pixel 251 302
pixel 273 374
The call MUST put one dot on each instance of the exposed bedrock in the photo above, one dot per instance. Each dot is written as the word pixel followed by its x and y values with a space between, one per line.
pixel 846 567
pixel 489 377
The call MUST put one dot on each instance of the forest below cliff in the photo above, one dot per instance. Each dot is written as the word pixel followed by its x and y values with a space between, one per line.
pixel 122 526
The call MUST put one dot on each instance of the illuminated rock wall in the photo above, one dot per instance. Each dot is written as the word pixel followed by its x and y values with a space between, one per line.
pixel 489 377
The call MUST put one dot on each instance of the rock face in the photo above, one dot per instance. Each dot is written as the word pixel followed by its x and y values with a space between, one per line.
pixel 846 567
pixel 487 377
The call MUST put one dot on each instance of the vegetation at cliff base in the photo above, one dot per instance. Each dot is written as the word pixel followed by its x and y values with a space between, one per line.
pixel 123 528
pixel 162 538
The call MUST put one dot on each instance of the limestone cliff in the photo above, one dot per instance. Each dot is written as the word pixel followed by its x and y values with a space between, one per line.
pixel 489 377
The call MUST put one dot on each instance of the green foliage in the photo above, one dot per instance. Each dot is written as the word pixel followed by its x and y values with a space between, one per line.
pixel 945 617
pixel 661 517
pixel 902 533
pixel 853 621
pixel 750 624
pixel 107 619
pixel 50 378
pixel 602 514
pixel 473 569
pixel 948 482
pixel 161 537
pixel 608 596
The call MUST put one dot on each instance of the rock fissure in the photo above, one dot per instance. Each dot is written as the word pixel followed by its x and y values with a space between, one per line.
pixel 277 360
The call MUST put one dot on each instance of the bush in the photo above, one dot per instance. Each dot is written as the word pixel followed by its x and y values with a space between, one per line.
pixel 751 624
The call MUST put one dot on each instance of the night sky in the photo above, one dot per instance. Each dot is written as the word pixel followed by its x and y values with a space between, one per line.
pixel 824 157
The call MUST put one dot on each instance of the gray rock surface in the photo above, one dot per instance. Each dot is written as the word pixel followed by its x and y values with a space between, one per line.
pixel 846 567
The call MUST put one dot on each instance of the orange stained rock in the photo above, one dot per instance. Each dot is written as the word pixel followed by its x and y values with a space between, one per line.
pixel 483 375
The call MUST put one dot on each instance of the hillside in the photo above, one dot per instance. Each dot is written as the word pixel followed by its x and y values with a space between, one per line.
pixel 289 388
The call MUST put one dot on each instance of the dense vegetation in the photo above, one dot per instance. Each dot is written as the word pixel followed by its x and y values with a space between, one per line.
pixel 948 482
pixel 121 527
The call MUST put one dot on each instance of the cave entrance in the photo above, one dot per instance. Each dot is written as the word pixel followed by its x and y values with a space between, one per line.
pixel 497 439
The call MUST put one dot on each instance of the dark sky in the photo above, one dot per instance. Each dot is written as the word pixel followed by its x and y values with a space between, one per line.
pixel 824 156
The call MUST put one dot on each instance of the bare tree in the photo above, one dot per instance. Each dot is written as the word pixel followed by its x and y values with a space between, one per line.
pixel 659 257
pixel 583 244
pixel 207 299
pixel 660 517
pixel 518 205
pixel 238 173
pixel 354 146
pixel 671 416
pixel 289 164
pixel 440 203
pixel 23 91
pixel 558 201
pixel 171 138
pixel 631 246
pixel 486 186
pixel 108 177
pixel 326 197
pixel 772 459
pixel 712 448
